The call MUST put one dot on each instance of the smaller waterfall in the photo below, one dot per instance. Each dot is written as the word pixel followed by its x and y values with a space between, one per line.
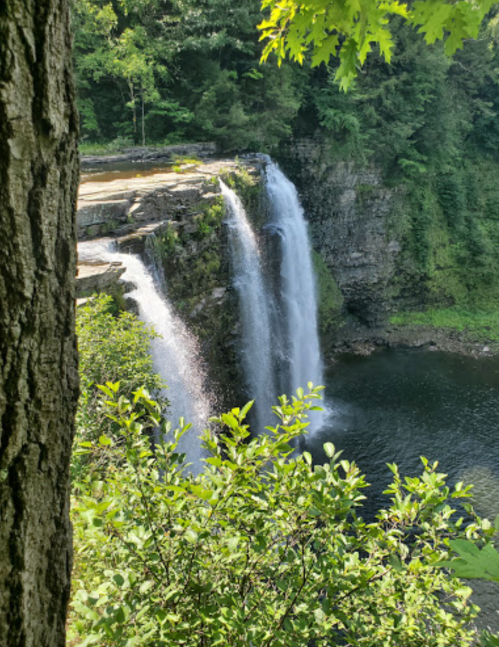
pixel 297 319
pixel 175 353
pixel 255 318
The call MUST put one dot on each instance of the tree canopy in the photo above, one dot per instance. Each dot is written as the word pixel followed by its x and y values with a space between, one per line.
pixel 350 28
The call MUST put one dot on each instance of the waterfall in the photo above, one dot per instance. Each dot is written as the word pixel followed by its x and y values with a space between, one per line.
pixel 175 353
pixel 295 326
pixel 248 280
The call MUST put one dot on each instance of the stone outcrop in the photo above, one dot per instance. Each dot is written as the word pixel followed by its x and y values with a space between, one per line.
pixel 98 276
pixel 175 218
pixel 121 206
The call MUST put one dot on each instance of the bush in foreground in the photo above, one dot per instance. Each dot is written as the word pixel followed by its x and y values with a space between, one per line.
pixel 263 548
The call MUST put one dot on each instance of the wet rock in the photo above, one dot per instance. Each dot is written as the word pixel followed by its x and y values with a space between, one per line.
pixel 97 276
pixel 83 301
pixel 218 293
pixel 135 241
pixel 101 216
pixel 132 306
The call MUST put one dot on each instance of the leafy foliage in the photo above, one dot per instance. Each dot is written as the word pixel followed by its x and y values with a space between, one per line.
pixel 474 562
pixel 110 347
pixel 349 30
pixel 179 71
pixel 479 325
pixel 263 547
pixel 120 48
pixel 194 68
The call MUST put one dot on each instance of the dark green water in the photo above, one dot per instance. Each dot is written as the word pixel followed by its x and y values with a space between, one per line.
pixel 396 406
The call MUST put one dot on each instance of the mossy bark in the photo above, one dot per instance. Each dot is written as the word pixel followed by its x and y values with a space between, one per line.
pixel 38 366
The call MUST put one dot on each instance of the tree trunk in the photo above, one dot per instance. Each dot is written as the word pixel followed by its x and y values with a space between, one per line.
pixel 134 111
pixel 143 121
pixel 38 366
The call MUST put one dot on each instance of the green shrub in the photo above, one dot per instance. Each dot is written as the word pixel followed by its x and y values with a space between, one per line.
pixel 163 243
pixel 481 326
pixel 110 348
pixel 263 548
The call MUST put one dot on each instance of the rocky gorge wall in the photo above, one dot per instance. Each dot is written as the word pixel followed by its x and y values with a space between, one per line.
pixel 366 236
pixel 391 254
pixel 348 209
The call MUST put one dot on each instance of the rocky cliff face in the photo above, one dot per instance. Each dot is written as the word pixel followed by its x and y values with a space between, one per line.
pixel 389 250
pixel 349 210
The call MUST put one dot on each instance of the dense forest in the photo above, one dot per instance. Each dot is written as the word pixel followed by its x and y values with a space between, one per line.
pixel 165 72
pixel 156 72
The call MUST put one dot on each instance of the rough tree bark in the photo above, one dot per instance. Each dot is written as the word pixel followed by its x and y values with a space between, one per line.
pixel 38 369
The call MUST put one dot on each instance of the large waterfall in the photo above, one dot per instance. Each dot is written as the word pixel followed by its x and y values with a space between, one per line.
pixel 280 342
pixel 295 326
pixel 175 354
pixel 254 307
pixel 297 322
pixel 278 313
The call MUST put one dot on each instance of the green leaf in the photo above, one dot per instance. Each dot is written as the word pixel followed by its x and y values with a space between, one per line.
pixel 191 536
pixel 395 562
pixel 329 449
pixel 307 457
pixel 120 615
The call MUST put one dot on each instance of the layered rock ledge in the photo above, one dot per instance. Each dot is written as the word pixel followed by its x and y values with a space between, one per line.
pixel 130 210
pixel 123 206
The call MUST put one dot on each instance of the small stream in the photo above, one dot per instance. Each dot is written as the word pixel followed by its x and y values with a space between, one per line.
pixel 398 405
pixel 110 171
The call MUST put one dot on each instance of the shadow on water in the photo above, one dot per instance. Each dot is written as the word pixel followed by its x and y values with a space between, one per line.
pixel 398 405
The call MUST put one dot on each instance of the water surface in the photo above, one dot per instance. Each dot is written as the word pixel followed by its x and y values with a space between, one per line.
pixel 125 170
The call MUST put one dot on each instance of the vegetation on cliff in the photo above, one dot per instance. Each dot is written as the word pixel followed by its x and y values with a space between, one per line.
pixel 329 301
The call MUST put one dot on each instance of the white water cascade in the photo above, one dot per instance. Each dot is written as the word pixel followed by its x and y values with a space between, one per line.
pixel 297 319
pixel 254 307
pixel 174 353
